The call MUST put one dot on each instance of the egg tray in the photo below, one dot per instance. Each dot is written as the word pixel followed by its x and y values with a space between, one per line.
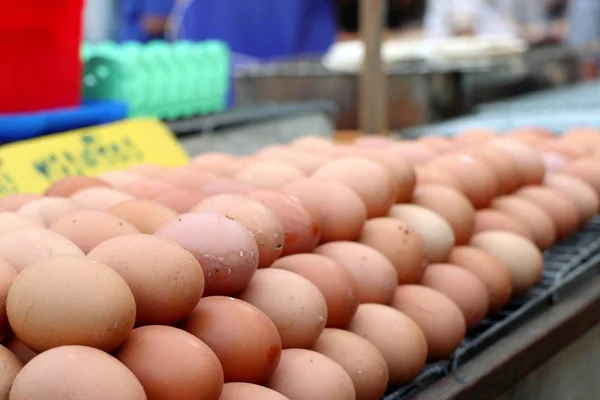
pixel 567 264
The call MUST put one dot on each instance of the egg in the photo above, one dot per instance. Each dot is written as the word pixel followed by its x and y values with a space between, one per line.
pixel 225 249
pixel 218 163
pixel 244 339
pixel 584 135
pixel 400 243
pixel 522 259
pixel 340 211
pixel 50 304
pixel 145 215
pixel 179 199
pixel 301 231
pixel 374 275
pixel 311 143
pixel 119 179
pixel 249 391
pixel 12 221
pixel 585 169
pixel 23 353
pixel 374 183
pixel 537 220
pixel 217 186
pixel 578 191
pixel 11 366
pixel 87 229
pixel 332 279
pixel 438 143
pixel 503 165
pixel 99 198
pixel 292 302
pixel 307 162
pixel 489 270
pixel 147 188
pixel 372 142
pixel 398 338
pixel 149 170
pixel 439 318
pixel 475 135
pixel 496 220
pixel 363 362
pixel 427 175
pixel 13 202
pixel 414 152
pixel 172 364
pixel 433 229
pixel 76 372
pixel 72 184
pixel 451 205
pixel 187 178
pixel 263 224
pixel 529 161
pixel 7 276
pixel 306 375
pixel 28 246
pixel 48 210
pixel 269 174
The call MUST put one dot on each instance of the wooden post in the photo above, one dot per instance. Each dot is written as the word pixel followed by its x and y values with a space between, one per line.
pixel 373 88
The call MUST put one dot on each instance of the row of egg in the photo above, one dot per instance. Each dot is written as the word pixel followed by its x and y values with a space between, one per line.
pixel 382 255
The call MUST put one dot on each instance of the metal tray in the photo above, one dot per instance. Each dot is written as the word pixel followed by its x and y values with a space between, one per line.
pixel 566 265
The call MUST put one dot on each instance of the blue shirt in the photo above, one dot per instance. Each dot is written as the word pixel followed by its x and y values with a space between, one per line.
pixel 262 28
pixel 131 13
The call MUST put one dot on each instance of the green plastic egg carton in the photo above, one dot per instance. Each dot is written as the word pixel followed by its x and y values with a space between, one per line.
pixel 160 79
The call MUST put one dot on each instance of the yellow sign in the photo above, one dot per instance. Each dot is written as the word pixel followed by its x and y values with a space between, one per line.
pixel 32 166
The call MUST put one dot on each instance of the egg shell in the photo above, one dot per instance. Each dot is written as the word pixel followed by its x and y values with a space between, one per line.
pixel 218 186
pixel 263 223
pixel 18 348
pixel 99 198
pixel 585 135
pixel 13 202
pixel 529 160
pixel 11 366
pixel 72 184
pixel 440 319
pixel 28 246
pixel 427 175
pixel 414 152
pixel 475 135
pixel 372 272
pixel 438 143
pixel 7 276
pixel 585 169
pixel 332 279
pixel 503 165
pixel 363 362
pixel 187 178
pixel 148 188
pixel 145 215
pixel 243 337
pixel 436 233
pixel 249 391
pixel 172 364
pixel 119 179
pixel 400 243
pixel 307 162
pixel 496 220
pixel 50 304
pixel 222 164
pixel 12 221
pixel 310 143
pixel 521 257
pixel 179 199
pixel 340 211
pixel 48 210
pixel 269 174
pixel 578 191
pixel 76 372
pixel 398 338
pixel 489 270
pixel 225 249
pixel 372 142
pixel 166 280
pixel 292 302
pixel 149 170
pixel 305 375
pixel 301 230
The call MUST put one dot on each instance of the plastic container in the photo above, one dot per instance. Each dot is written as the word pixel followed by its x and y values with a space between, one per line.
pixel 40 42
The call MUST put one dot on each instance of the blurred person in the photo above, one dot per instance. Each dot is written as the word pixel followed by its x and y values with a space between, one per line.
pixel 583 18
pixel 143 20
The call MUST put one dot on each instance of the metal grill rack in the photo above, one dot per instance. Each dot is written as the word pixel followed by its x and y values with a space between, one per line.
pixel 567 264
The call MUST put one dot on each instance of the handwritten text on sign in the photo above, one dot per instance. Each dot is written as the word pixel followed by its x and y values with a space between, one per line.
pixel 33 165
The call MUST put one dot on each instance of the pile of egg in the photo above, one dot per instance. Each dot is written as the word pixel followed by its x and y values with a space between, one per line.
pixel 310 270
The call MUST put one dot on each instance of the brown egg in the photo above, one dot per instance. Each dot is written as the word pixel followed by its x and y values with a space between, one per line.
pixel 585 169
pixel 263 224
pixel 373 274
pixel 148 188
pixel 537 220
pixel 363 362
pixel 530 133
pixel 12 221
pixel 578 191
pixel 166 280
pixel 225 249
pixel 436 233
pixel 462 287
pixel 588 136
pixel 244 339
pixel 373 142
pixel 99 198
pixel 427 175
pixel 145 215
pixel 249 391
pixel 438 143
pixel 439 318
pixel 13 202
pixel 292 302
pixel 23 353
pixel 558 206
pixel 306 375
pixel 11 366
pixel 180 200
pixel 119 179
pixel 332 279
pixel 478 179
pixel 7 276
pixel 340 151
pixel 217 186
pixel 72 184
pixel 451 205
pixel 311 143
pixel 489 270
pixel 475 135
pixel 48 210
pixel 187 178
pixel 172 364
pixel 76 372
pixel 564 148
pixel 301 231
pixel 414 152
pixel 554 162
pixel 496 220
pixel 307 162
pixel 51 303
pixel 269 174
pixel 149 170
pixel 398 338
pixel 529 161
pixel 27 246
pixel 87 229
pixel 340 211
pixel 400 243
pixel 218 163
pixel 522 259
pixel 505 166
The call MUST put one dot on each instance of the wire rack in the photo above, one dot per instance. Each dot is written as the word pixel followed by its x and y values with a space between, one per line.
pixel 567 264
